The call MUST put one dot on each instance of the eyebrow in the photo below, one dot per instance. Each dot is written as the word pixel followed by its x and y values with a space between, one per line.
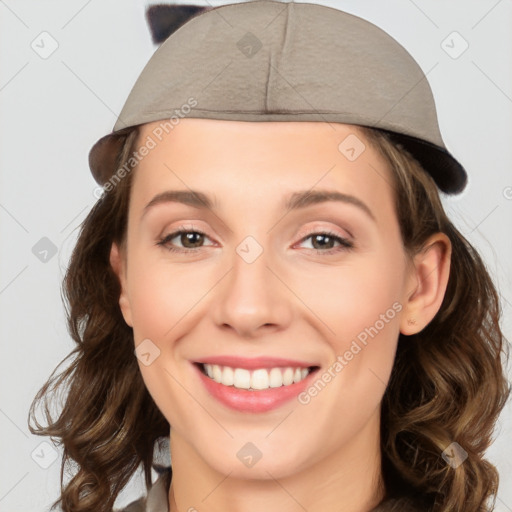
pixel 296 201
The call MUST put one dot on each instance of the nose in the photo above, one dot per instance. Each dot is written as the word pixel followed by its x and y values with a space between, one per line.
pixel 253 298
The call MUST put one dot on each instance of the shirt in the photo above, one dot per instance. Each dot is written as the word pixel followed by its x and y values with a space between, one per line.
pixel 157 499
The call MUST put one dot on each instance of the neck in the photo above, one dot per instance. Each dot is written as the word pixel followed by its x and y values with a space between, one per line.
pixel 348 480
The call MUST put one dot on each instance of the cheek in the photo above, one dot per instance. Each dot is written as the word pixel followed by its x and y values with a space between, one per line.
pixel 161 295
pixel 352 297
pixel 359 307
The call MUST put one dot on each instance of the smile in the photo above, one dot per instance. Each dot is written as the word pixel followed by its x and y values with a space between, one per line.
pixel 254 390
pixel 254 380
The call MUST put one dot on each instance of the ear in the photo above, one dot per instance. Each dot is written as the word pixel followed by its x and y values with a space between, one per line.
pixel 118 263
pixel 426 284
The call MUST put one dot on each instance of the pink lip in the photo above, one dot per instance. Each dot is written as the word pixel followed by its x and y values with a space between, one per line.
pixel 259 401
pixel 254 363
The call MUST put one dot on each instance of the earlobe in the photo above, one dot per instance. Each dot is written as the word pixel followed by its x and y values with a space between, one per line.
pixel 427 284
pixel 118 264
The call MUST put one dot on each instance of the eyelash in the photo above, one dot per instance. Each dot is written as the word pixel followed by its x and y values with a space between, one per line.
pixel 345 245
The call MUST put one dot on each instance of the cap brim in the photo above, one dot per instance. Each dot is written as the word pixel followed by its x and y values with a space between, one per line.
pixel 449 175
pixel 104 155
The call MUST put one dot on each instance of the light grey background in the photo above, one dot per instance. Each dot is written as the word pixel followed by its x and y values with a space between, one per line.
pixel 55 108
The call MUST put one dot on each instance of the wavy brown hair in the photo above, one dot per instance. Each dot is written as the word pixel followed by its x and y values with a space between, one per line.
pixel 448 382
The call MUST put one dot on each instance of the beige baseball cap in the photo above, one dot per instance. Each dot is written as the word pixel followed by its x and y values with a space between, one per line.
pixel 285 61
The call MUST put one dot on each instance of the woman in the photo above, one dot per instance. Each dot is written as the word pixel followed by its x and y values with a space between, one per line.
pixel 310 329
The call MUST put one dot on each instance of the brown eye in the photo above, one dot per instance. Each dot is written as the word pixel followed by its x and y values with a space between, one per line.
pixel 193 238
pixel 322 242
pixel 189 240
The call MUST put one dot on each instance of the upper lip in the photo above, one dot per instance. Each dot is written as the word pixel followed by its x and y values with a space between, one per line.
pixel 254 363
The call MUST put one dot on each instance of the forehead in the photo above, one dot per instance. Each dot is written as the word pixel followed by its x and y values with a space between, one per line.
pixel 251 159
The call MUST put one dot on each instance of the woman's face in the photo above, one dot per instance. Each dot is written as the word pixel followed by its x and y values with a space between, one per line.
pixel 265 281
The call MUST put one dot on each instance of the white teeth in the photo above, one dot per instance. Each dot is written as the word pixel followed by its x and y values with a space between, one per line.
pixel 288 376
pixel 228 376
pixel 217 373
pixel 241 378
pixel 276 378
pixel 261 378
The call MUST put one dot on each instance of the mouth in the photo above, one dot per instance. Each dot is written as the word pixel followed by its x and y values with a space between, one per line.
pixel 258 379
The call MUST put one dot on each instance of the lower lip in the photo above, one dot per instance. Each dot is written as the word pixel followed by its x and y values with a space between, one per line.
pixel 244 400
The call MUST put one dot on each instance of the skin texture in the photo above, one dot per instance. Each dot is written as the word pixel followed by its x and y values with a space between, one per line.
pixel 293 301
